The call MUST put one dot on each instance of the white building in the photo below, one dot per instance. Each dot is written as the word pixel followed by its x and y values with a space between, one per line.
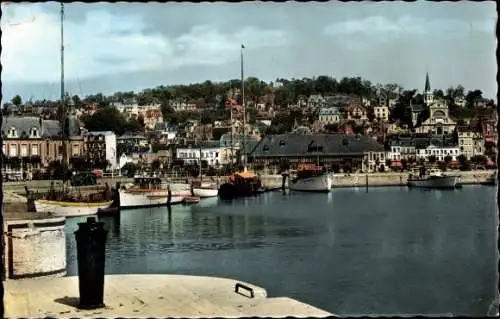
pixel 101 146
pixel 329 115
pixel 214 156
pixel 439 152
pixel 402 150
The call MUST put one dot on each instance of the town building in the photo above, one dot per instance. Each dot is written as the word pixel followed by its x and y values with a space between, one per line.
pixel 381 112
pixel 470 141
pixel 329 115
pixel 213 156
pixel 433 117
pixel 325 149
pixel 32 142
pixel 151 117
pixel 439 153
pixel 100 147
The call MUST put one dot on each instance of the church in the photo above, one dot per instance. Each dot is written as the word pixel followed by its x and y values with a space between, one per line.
pixel 437 119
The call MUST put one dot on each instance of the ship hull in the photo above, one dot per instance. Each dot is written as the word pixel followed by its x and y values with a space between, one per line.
pixel 70 209
pixel 443 182
pixel 129 200
pixel 318 184
pixel 205 192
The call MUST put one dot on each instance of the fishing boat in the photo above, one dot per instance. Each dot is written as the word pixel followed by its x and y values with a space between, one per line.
pixel 433 179
pixel 70 209
pixel 310 178
pixel 62 202
pixel 191 200
pixel 147 192
pixel 242 184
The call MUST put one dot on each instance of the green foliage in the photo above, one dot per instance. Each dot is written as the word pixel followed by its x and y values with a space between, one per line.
pixel 110 119
pixel 432 159
pixel 17 100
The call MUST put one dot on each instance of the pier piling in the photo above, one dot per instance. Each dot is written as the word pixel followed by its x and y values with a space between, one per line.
pixel 91 247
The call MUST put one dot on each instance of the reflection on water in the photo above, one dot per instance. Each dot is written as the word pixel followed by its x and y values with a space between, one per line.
pixel 388 250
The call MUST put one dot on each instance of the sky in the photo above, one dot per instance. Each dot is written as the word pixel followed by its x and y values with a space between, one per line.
pixel 112 47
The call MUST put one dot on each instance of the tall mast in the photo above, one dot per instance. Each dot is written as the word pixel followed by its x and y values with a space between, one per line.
pixel 244 112
pixel 63 102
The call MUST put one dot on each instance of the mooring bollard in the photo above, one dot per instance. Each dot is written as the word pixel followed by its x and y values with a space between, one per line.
pixel 90 245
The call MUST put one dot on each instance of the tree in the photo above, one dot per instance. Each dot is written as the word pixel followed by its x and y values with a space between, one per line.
pixel 17 100
pixel 471 97
pixel 106 119
pixel 432 159
pixel 447 159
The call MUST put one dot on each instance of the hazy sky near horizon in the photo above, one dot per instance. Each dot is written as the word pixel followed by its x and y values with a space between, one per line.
pixel 113 47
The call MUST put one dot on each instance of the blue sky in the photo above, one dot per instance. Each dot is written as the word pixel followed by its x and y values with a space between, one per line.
pixel 132 46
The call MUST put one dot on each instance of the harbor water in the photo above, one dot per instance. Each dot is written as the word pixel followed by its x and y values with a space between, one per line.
pixel 384 251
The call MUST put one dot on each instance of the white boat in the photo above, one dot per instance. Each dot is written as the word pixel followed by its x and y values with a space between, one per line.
pixel 205 192
pixel 310 178
pixel 147 192
pixel 70 209
pixel 435 179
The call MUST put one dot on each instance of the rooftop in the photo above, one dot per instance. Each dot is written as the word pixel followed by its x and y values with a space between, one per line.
pixel 327 144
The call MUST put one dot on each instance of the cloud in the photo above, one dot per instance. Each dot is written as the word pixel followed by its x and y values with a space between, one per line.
pixel 104 43
pixel 406 25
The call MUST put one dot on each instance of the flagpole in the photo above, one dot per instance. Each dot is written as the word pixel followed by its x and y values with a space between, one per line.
pixel 244 112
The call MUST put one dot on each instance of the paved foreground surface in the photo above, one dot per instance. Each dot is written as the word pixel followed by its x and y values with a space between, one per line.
pixel 136 296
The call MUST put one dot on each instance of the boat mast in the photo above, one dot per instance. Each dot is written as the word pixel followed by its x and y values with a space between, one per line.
pixel 200 146
pixel 244 112
pixel 63 102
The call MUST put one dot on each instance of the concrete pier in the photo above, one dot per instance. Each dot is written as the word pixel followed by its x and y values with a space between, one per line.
pixel 136 296
pixel 35 244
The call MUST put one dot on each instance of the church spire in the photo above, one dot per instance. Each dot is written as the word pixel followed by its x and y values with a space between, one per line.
pixel 427 83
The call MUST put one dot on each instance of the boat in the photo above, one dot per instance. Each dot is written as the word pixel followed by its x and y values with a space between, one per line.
pixel 433 179
pixel 204 190
pixel 147 192
pixel 70 209
pixel 310 178
pixel 242 184
pixel 191 200
pixel 62 202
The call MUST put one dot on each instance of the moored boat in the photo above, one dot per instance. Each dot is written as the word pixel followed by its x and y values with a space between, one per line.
pixel 241 184
pixel 204 190
pixel 435 179
pixel 147 192
pixel 191 200
pixel 65 204
pixel 70 209
pixel 310 178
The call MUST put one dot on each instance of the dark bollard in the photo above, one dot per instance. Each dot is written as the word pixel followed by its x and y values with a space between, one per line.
pixel 90 246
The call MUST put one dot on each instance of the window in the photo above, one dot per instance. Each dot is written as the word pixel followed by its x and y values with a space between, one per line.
pixel 24 150
pixel 265 148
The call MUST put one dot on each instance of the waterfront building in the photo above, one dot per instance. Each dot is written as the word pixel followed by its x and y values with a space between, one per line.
pixel 325 149
pixel 32 142
pixel 100 147
pixel 213 156
pixel 439 152
pixel 402 148
pixel 470 141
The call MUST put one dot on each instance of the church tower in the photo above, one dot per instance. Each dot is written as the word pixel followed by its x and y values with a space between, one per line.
pixel 428 97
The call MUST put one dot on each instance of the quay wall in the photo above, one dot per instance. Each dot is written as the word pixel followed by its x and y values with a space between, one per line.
pixel 35 246
pixel 382 179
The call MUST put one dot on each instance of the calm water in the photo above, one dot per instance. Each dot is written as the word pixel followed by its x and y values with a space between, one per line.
pixel 386 251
